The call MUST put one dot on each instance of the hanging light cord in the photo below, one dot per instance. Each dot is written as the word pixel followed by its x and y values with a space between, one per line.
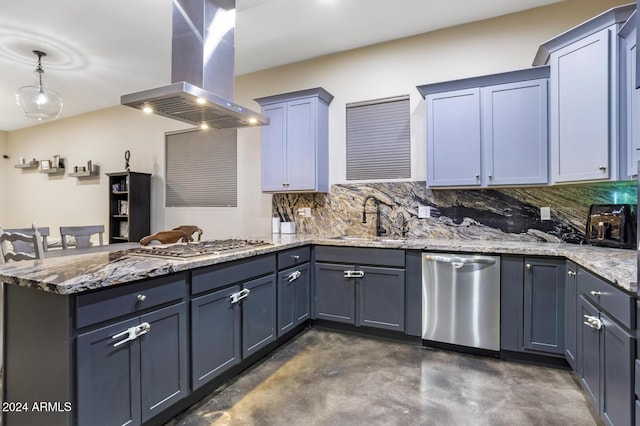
pixel 39 70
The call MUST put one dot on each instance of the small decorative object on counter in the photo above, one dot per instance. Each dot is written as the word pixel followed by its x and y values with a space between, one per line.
pixel 288 227
pixel 275 225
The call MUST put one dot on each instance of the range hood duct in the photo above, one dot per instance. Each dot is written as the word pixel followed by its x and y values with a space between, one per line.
pixel 202 70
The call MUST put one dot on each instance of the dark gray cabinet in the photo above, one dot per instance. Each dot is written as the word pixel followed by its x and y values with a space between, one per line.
pixel 362 293
pixel 335 296
pixel 258 314
pixel 129 382
pixel 214 349
pixel 544 293
pixel 293 297
pixel 605 349
pixel 233 315
pixel 570 309
pixel 532 317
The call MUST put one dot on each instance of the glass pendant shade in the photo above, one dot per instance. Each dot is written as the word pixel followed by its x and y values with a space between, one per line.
pixel 37 101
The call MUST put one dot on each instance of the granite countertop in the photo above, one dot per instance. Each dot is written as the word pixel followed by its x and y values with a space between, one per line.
pixel 111 265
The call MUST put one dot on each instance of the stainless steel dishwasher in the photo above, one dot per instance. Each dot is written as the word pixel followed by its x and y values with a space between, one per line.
pixel 461 300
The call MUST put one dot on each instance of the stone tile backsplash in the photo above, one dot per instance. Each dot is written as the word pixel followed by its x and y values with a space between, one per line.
pixel 504 214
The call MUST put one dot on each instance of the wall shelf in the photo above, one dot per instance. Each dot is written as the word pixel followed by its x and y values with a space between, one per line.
pixel 52 171
pixel 88 173
pixel 30 165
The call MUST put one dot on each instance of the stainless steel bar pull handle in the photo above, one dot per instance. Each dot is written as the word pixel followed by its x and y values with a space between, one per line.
pixel 595 293
pixel 294 276
pixel 571 273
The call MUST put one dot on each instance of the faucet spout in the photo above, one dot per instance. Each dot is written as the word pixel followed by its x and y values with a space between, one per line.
pixel 379 229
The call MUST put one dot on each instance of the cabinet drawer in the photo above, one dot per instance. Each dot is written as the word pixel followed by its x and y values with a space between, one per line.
pixel 360 256
pixel 292 257
pixel 111 303
pixel 612 300
pixel 218 276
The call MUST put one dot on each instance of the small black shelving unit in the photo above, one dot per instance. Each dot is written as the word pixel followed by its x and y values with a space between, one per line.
pixel 129 206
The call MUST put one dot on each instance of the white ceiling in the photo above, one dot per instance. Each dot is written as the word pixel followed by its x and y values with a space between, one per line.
pixel 100 50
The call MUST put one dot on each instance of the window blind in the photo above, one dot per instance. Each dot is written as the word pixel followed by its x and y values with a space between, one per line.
pixel 201 168
pixel 378 139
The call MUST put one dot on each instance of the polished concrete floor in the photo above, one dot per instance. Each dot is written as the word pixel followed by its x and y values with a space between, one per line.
pixel 327 378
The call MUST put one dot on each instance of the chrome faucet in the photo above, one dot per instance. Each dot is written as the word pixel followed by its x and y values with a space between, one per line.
pixel 379 229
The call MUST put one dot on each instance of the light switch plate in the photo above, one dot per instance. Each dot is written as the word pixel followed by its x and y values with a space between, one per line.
pixel 545 213
pixel 304 211
pixel 424 212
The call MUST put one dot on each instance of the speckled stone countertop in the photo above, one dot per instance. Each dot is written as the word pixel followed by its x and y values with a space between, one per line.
pixel 111 265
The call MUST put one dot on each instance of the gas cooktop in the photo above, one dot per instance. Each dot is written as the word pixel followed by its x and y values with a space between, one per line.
pixel 197 248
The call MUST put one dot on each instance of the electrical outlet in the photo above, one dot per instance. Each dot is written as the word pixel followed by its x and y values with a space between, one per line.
pixel 304 211
pixel 545 213
pixel 424 212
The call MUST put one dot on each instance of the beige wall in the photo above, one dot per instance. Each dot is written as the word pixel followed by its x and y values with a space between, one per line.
pixel 389 69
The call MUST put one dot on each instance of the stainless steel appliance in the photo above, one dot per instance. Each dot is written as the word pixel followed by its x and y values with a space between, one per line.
pixel 202 70
pixel 611 225
pixel 198 248
pixel 461 300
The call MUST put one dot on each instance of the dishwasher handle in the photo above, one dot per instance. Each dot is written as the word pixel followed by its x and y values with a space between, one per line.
pixel 458 262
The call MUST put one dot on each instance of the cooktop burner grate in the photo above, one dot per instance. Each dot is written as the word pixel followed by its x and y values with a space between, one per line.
pixel 198 248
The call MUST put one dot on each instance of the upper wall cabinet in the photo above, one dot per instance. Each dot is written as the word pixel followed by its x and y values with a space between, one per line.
pixel 295 145
pixel 583 101
pixel 489 130
pixel 629 100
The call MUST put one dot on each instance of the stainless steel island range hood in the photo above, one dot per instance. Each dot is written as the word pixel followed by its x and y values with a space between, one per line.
pixel 202 70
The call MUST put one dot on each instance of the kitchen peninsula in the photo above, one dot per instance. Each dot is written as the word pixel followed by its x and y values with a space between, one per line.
pixel 64 315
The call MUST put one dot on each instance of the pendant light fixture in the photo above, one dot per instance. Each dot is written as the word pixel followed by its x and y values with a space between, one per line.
pixel 37 101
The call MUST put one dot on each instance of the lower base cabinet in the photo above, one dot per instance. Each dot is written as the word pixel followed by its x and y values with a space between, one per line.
pixel 359 294
pixel 293 298
pixel 233 315
pixel 214 349
pixel 605 368
pixel 129 382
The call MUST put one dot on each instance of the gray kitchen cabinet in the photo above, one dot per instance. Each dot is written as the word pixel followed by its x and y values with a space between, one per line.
pixel 294 288
pixel 335 294
pixel 132 381
pixel 629 99
pixel 584 105
pixel 489 130
pixel 606 348
pixel 532 318
pixel 294 297
pixel 453 138
pixel 360 293
pixel 544 305
pixel 570 309
pixel 258 315
pixel 295 156
pixel 214 349
pixel 515 134
pixel 233 314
